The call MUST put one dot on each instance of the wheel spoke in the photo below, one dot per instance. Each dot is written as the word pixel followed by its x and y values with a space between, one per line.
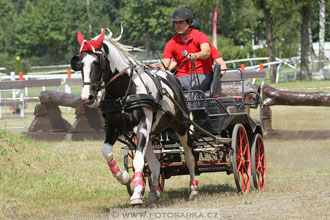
pixel 259 180
pixel 243 181
pixel 239 165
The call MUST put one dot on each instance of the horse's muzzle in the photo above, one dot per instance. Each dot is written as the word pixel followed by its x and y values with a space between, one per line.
pixel 91 99
pixel 91 102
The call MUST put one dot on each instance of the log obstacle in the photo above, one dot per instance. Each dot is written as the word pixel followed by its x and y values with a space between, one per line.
pixel 49 124
pixel 272 96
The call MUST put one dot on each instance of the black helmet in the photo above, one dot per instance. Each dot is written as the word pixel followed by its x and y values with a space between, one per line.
pixel 182 14
pixel 196 25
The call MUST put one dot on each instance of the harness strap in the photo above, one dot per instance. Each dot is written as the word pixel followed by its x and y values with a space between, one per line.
pixel 117 75
pixel 145 86
pixel 157 81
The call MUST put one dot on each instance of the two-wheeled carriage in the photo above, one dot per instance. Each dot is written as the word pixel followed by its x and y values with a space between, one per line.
pixel 224 138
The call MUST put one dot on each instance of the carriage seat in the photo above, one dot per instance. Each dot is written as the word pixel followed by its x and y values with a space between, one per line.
pixel 215 87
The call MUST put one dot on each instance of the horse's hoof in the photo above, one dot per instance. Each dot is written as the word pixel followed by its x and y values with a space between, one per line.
pixel 153 197
pixel 193 195
pixel 193 190
pixel 136 202
pixel 126 179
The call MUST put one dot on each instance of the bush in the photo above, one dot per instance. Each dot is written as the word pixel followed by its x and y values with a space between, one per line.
pixel 12 67
pixel 3 59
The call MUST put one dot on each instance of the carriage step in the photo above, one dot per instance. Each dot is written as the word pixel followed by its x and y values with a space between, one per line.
pixel 222 140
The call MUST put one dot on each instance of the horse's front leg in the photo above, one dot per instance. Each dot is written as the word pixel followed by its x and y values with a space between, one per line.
pixel 142 131
pixel 111 136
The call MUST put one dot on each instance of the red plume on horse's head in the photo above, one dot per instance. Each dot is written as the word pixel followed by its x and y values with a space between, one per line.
pixel 99 41
pixel 80 38
pixel 91 45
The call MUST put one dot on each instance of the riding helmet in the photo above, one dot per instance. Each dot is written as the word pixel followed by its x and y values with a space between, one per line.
pixel 182 14
pixel 196 25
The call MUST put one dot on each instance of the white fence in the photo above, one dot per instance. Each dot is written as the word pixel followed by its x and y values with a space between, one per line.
pixel 12 114
pixel 280 63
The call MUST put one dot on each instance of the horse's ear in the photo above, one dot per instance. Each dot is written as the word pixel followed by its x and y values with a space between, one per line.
pixel 99 41
pixel 75 63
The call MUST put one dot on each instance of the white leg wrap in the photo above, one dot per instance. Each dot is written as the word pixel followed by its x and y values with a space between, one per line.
pixel 137 195
pixel 122 176
pixel 107 151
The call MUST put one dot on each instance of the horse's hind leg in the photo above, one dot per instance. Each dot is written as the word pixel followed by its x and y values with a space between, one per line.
pixel 142 131
pixel 138 178
pixel 190 161
pixel 154 167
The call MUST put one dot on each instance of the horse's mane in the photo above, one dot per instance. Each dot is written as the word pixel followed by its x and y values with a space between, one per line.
pixel 124 49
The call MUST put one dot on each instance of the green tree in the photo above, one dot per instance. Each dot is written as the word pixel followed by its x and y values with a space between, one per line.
pixel 148 22
pixel 306 11
pixel 7 25
pixel 26 39
pixel 97 14
pixel 41 31
pixel 76 18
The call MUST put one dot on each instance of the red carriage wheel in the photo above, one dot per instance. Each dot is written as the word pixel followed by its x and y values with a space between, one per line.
pixel 258 162
pixel 240 160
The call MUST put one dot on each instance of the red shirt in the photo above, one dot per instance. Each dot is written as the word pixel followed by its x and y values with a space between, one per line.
pixel 214 52
pixel 178 49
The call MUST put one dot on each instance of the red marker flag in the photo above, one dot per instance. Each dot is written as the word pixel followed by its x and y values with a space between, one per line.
pixel 214 32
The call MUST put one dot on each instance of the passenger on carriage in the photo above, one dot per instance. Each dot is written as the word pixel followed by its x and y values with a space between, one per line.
pixel 190 44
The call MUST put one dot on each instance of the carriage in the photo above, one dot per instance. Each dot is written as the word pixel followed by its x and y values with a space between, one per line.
pixel 225 138
pixel 167 132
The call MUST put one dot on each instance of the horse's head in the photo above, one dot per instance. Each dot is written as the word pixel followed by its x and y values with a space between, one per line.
pixel 93 63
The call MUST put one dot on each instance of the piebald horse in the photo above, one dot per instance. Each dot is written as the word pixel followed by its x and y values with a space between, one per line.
pixel 136 101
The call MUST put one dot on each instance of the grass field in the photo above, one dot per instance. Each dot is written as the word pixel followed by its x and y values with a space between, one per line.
pixel 70 180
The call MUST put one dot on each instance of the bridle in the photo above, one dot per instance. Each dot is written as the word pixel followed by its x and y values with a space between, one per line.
pixel 98 85
pixel 101 84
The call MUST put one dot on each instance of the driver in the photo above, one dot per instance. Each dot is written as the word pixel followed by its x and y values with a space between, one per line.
pixel 189 44
pixel 215 55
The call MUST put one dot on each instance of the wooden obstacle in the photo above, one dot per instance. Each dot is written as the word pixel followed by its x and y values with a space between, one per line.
pixel 49 124
pixel 272 96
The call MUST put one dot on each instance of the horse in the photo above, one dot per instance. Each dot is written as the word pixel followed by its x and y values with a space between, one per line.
pixel 137 101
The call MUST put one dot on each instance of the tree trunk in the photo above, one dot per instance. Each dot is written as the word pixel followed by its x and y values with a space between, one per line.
pixel 272 96
pixel 313 56
pixel 270 42
pixel 322 33
pixel 304 71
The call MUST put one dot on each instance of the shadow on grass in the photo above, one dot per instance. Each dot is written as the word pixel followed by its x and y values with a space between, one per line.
pixel 170 197
pixel 205 190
